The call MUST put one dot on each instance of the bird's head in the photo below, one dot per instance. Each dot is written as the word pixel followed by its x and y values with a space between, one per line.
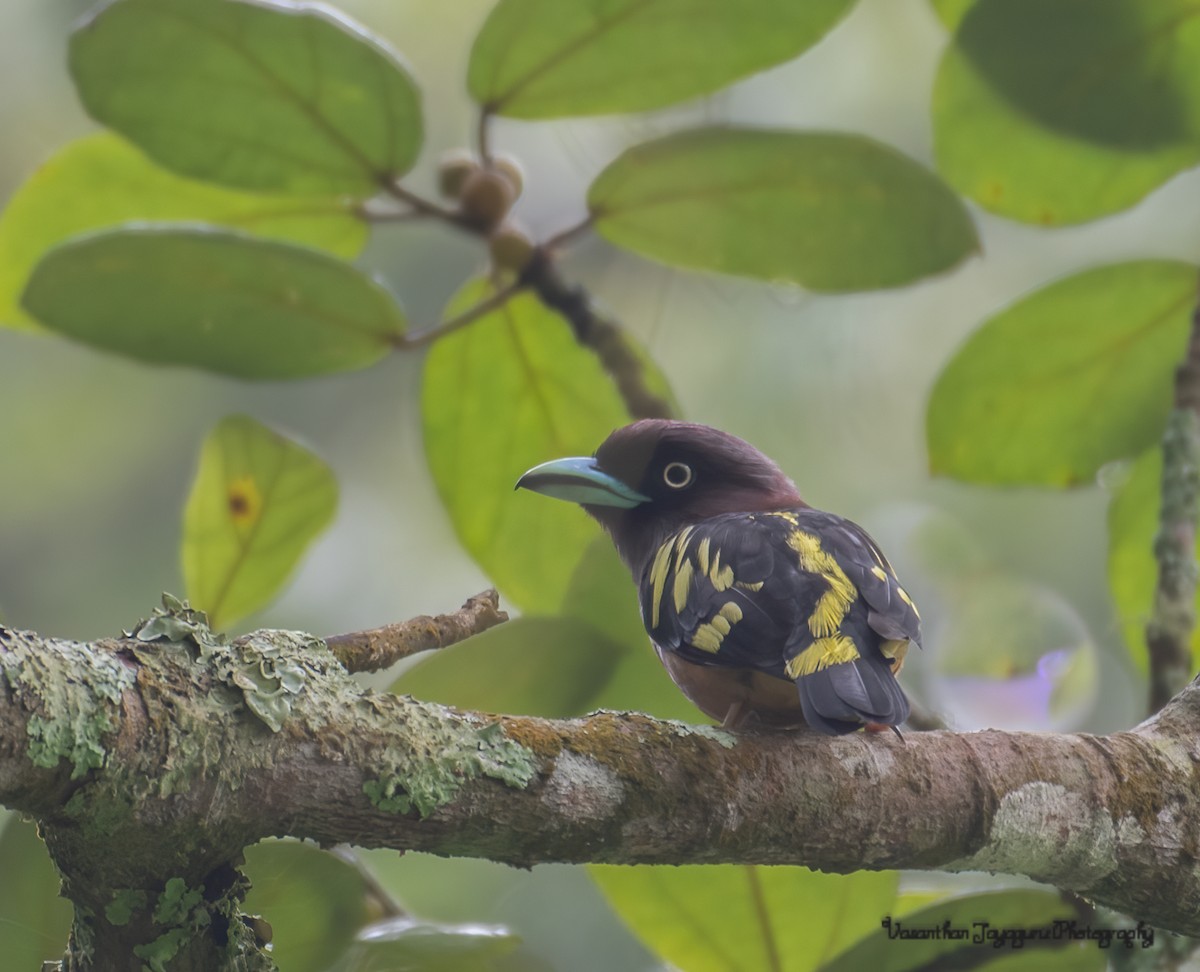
pixel 655 476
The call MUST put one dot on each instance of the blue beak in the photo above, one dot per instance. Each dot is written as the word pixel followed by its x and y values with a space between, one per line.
pixel 580 481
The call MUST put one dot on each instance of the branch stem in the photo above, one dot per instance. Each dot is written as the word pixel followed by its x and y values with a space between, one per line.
pixel 1169 630
pixel 379 648
pixel 419 339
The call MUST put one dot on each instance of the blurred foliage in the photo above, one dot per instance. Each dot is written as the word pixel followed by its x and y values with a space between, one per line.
pixel 720 918
pixel 982 917
pixel 214 299
pixel 34 920
pixel 1067 379
pixel 831 212
pixel 586 59
pixel 258 501
pixel 60 200
pixel 275 134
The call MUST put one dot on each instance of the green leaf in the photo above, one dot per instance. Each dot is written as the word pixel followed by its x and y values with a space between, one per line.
pixel 1003 159
pixel 214 299
pixel 1068 378
pixel 258 501
pixel 510 391
pixel 268 95
pixel 101 181
pixel 603 594
pixel 314 902
pixel 553 58
pixel 730 918
pixel 1133 516
pixel 34 920
pixel 983 915
pixel 551 667
pixel 399 944
pixel 1118 72
pixel 831 212
pixel 951 12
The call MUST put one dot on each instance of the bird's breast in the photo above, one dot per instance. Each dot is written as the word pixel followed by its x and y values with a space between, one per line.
pixel 735 697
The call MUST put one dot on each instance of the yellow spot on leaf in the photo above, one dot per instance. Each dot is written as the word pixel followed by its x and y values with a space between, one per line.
pixel 244 501
pixel 821 654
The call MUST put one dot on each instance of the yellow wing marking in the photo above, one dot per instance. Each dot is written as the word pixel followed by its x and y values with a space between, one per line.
pixel 821 654
pixel 908 600
pixel 702 554
pixel 683 581
pixel 786 517
pixel 831 607
pixel 880 573
pixel 681 542
pixel 749 586
pixel 658 578
pixel 708 636
pixel 721 577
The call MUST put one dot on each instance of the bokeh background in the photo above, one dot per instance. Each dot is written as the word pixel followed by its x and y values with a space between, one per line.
pixel 97 453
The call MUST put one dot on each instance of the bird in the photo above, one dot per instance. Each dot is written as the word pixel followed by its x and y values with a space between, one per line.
pixel 766 612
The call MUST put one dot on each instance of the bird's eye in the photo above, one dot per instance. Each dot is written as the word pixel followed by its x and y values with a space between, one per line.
pixel 677 475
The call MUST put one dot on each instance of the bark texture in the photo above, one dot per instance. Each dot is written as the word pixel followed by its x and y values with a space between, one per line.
pixel 151 761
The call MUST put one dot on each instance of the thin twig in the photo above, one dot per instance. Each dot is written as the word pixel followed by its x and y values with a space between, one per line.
pixel 383 899
pixel 605 337
pixel 481 136
pixel 563 237
pixel 1169 630
pixel 378 648
pixel 427 207
pixel 418 339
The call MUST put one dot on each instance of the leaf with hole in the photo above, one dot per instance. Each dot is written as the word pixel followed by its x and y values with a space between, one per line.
pixel 511 390
pixel 258 501
pixel 828 211
pixel 555 58
pixel 267 95
pixel 60 200
pixel 720 918
pixel 213 299
pixel 1070 377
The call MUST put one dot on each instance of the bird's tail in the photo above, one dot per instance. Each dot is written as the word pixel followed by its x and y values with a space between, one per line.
pixel 841 698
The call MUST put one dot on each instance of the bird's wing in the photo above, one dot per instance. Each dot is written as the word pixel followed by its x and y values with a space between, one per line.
pixel 798 594
pixel 727 592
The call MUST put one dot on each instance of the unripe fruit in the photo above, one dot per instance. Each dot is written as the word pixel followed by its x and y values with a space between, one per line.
pixel 455 168
pixel 510 168
pixel 486 198
pixel 511 248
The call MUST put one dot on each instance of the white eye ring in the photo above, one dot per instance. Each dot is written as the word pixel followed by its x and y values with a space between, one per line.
pixel 677 475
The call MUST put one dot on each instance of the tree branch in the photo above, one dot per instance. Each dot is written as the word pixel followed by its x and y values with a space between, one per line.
pixel 379 648
pixel 149 760
pixel 1169 631
pixel 593 330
